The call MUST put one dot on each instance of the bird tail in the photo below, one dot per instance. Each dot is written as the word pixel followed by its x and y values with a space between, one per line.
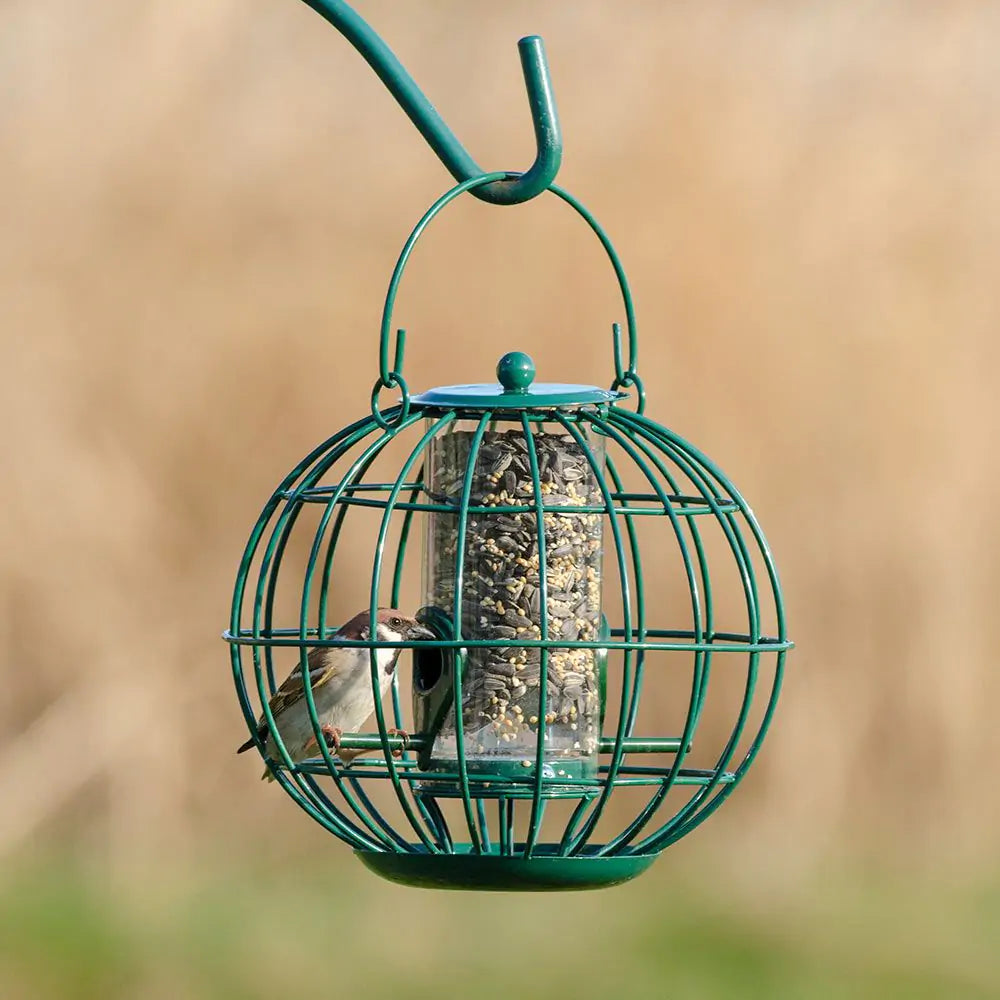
pixel 348 756
pixel 261 735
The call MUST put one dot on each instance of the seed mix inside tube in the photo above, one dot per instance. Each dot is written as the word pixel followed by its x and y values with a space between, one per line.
pixel 501 598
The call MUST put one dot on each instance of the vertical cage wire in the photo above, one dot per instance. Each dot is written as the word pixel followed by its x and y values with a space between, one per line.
pixel 355 795
pixel 580 840
pixel 306 473
pixel 463 520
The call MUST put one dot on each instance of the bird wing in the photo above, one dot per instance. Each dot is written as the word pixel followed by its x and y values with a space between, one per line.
pixel 292 690
pixel 321 669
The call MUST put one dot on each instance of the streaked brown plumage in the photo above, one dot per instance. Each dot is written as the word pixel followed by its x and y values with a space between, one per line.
pixel 341 686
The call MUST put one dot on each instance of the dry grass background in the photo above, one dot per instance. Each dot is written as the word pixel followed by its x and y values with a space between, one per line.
pixel 203 203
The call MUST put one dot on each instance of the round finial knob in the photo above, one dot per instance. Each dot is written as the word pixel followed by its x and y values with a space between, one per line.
pixel 516 371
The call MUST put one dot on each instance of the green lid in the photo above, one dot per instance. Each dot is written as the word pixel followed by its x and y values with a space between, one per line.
pixel 516 390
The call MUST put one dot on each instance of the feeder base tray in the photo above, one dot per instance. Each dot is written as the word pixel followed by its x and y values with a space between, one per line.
pixel 545 870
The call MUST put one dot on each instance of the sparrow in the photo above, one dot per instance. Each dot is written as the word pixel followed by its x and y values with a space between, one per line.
pixel 341 687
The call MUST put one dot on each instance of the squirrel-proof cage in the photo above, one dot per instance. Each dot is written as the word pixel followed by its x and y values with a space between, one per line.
pixel 538 756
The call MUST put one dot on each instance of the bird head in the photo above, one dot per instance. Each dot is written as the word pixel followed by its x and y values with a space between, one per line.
pixel 393 626
pixel 390 626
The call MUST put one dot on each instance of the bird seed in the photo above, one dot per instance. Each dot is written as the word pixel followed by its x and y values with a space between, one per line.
pixel 502 588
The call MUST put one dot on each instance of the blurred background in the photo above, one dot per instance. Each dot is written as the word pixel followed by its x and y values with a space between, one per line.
pixel 204 201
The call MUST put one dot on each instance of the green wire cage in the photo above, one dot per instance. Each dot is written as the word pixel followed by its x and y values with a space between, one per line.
pixel 530 761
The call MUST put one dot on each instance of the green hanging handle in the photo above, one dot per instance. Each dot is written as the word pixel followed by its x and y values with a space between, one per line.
pixel 390 360
pixel 508 188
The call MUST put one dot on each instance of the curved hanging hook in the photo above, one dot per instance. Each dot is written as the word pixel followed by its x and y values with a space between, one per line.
pixel 509 190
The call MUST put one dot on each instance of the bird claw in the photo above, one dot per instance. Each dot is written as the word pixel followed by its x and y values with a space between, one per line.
pixel 332 736
pixel 404 736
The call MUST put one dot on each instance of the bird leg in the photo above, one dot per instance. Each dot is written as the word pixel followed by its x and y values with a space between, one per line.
pixel 348 756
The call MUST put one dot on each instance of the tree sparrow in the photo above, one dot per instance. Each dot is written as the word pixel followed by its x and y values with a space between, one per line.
pixel 341 686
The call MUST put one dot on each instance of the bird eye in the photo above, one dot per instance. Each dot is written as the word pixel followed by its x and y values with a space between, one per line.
pixel 396 623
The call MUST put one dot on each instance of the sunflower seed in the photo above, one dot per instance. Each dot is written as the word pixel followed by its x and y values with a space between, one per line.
pixel 501 599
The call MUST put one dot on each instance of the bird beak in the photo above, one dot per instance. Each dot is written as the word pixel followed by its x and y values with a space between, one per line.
pixel 419 632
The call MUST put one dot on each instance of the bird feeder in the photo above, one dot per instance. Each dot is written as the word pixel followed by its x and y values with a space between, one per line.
pixel 542 507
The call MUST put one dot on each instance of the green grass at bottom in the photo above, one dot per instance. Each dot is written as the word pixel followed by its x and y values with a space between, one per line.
pixel 252 932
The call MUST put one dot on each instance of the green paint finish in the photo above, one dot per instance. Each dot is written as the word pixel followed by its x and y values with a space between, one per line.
pixel 541 396
pixel 458 824
pixel 392 349
pixel 504 189
pixel 416 823
pixel 544 871
pixel 516 371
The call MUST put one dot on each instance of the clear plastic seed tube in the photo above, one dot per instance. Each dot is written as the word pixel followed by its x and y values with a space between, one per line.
pixel 501 593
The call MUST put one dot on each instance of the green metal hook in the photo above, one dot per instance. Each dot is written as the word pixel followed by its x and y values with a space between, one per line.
pixel 512 189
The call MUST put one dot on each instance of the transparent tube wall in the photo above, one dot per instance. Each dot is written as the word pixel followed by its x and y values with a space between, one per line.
pixel 501 596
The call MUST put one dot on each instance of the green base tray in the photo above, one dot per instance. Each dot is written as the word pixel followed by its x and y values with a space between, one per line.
pixel 493 872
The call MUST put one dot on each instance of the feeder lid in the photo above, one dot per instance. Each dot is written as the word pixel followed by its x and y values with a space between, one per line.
pixel 516 390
